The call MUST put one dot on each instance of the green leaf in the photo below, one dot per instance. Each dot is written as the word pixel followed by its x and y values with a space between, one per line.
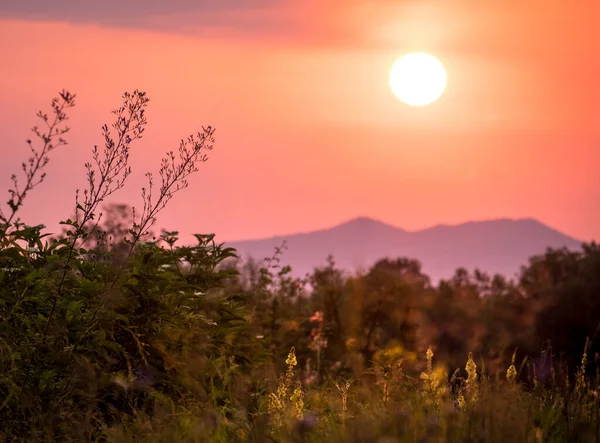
pixel 31 277
pixel 73 311
pixel 123 318
pixel 14 253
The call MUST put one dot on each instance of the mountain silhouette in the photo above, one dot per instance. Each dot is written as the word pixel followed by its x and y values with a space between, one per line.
pixel 499 246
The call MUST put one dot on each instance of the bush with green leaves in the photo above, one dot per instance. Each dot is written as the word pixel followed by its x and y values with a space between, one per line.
pixel 88 344
pixel 111 333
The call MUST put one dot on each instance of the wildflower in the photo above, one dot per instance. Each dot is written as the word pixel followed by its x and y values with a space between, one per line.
pixel 461 401
pixel 471 369
pixel 434 388
pixel 275 406
pixel 282 390
pixel 511 373
pixel 280 405
pixel 317 340
pixel 297 402
pixel 580 380
pixel 429 355
pixel 317 317
pixel 291 359
pixel 388 370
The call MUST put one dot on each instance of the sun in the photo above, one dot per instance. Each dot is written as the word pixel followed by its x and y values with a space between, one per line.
pixel 418 79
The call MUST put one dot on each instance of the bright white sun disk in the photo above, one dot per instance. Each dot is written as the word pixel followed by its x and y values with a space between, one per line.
pixel 418 79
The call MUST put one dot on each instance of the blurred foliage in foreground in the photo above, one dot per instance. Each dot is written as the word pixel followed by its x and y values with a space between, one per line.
pixel 110 333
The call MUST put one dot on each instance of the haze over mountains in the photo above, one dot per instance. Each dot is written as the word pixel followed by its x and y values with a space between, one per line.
pixel 496 246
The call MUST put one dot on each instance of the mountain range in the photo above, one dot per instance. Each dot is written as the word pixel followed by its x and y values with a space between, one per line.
pixel 499 246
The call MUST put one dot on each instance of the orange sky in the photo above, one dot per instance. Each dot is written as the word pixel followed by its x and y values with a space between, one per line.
pixel 308 131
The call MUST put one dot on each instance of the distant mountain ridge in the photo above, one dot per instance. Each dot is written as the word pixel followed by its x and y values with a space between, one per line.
pixel 495 246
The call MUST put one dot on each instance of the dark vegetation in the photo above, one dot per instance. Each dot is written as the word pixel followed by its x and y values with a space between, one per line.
pixel 109 332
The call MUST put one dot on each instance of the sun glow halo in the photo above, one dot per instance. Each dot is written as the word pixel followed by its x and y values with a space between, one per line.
pixel 418 79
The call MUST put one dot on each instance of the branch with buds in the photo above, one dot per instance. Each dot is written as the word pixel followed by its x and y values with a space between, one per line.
pixel 33 167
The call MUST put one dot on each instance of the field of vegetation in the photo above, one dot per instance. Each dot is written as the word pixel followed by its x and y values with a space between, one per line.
pixel 110 332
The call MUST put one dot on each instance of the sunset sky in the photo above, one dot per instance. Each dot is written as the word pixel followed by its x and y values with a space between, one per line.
pixel 308 132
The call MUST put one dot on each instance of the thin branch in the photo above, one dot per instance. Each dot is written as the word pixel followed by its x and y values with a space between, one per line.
pixel 39 159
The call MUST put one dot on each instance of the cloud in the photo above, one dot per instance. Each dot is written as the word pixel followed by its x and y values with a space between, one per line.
pixel 306 22
pixel 134 13
pixel 503 28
